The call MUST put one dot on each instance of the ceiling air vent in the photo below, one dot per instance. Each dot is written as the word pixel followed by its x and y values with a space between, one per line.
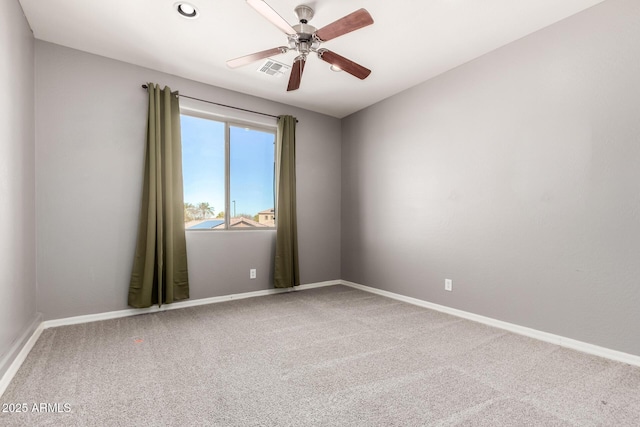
pixel 273 68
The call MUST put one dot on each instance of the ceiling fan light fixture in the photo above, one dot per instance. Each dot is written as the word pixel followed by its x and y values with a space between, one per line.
pixel 305 39
pixel 186 10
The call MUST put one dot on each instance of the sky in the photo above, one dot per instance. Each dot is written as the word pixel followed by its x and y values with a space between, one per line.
pixel 251 165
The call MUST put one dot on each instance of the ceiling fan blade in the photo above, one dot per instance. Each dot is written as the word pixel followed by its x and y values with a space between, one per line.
pixel 272 16
pixel 296 73
pixel 354 21
pixel 248 59
pixel 344 64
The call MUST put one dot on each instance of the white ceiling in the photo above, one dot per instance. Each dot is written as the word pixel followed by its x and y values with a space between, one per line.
pixel 411 40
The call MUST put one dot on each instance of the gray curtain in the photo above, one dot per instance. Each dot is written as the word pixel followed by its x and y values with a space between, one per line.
pixel 287 272
pixel 159 273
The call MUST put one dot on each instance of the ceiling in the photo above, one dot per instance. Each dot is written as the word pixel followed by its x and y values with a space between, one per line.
pixel 410 42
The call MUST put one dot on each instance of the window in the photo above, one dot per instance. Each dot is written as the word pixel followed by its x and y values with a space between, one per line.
pixel 228 173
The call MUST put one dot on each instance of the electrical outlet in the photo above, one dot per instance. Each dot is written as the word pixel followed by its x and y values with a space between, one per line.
pixel 252 273
pixel 448 284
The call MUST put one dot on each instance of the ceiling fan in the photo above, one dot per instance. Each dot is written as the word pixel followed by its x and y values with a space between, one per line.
pixel 304 39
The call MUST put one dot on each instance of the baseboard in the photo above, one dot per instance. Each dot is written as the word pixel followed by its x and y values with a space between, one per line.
pixel 177 305
pixel 18 352
pixel 521 330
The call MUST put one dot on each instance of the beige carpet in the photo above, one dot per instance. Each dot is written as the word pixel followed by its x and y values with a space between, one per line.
pixel 327 356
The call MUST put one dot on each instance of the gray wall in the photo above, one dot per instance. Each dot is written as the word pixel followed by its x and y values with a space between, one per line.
pixel 17 182
pixel 517 176
pixel 90 127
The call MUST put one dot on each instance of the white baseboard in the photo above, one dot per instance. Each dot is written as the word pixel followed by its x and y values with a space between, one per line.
pixel 521 330
pixel 19 352
pixel 176 305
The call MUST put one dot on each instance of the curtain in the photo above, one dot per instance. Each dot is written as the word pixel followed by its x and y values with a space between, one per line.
pixel 286 272
pixel 160 265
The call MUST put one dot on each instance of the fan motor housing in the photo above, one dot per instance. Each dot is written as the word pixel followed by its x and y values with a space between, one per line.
pixel 305 31
pixel 304 41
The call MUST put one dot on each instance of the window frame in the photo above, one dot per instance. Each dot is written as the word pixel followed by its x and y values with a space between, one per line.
pixel 242 120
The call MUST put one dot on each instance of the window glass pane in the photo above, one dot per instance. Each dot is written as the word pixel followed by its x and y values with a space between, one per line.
pixel 203 163
pixel 251 173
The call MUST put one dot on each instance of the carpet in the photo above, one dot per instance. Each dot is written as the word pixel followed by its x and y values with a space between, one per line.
pixel 325 356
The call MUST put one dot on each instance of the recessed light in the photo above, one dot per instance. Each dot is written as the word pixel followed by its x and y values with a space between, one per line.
pixel 186 10
pixel 335 68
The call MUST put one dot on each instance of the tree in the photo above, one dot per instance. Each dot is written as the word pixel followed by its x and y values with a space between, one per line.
pixel 220 214
pixel 189 212
pixel 204 209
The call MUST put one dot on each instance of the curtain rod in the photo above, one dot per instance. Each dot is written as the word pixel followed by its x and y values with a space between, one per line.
pixel 221 105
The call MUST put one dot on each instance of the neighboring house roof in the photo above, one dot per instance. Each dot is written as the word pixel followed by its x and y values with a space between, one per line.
pixel 240 222
pixel 244 222
pixel 267 211
pixel 205 225
pixel 237 222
